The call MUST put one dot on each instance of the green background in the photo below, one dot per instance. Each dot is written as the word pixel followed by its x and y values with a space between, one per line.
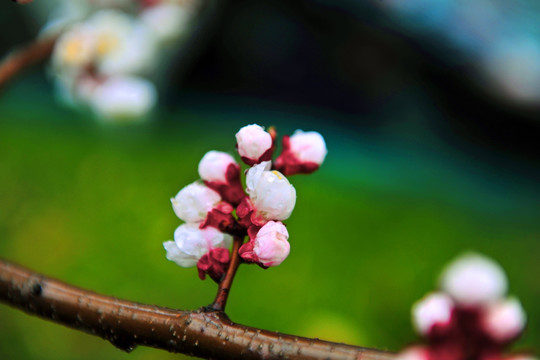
pixel 89 204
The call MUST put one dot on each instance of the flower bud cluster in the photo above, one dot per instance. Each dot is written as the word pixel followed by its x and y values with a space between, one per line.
pixel 470 317
pixel 108 50
pixel 217 206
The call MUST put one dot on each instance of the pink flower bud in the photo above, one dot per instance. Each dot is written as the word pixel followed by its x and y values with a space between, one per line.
pixel 474 280
pixel 303 153
pixel 269 247
pixel 308 146
pixel 213 166
pixel 191 243
pixel 194 201
pixel 504 320
pixel 254 144
pixel 271 194
pixel 433 310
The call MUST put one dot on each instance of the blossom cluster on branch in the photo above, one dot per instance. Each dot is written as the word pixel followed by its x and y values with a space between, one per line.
pixel 217 208
pixel 470 317
pixel 108 52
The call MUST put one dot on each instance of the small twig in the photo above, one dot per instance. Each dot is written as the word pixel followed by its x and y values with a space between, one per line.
pixel 20 59
pixel 225 285
pixel 203 333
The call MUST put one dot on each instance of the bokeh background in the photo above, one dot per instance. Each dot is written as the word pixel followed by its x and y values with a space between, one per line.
pixel 432 122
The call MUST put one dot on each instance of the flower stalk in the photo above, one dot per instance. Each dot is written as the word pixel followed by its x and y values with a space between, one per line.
pixel 225 285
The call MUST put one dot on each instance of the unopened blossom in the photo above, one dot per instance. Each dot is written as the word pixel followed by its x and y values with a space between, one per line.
pixel 504 320
pixel 123 98
pixel 435 309
pixel 303 153
pixel 191 243
pixel 220 172
pixel 254 144
pixel 167 21
pixel 270 193
pixel 473 280
pixel 214 165
pixel 194 201
pixel 269 247
pixel 206 248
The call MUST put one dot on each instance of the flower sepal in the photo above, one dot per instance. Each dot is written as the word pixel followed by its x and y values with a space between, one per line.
pixel 221 218
pixel 214 264
pixel 231 189
pixel 289 164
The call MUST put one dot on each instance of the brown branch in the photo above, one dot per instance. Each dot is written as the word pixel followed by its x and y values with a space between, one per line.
pixel 225 285
pixel 203 333
pixel 20 59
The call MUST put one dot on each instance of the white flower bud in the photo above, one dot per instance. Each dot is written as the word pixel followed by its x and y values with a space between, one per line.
pixel 271 245
pixel 308 146
pixel 253 142
pixel 194 201
pixel 214 164
pixel 123 98
pixel 474 280
pixel 435 308
pixel 504 320
pixel 191 243
pixel 270 192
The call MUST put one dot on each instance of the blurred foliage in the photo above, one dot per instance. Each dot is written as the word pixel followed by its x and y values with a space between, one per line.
pixel 89 204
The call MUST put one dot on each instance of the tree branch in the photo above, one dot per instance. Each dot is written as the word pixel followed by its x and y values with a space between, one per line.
pixel 204 333
pixel 20 59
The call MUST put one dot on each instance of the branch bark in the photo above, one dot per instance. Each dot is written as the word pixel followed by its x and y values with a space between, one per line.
pixel 20 59
pixel 204 333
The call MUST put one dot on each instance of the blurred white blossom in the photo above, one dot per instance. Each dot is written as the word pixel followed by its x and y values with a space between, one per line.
pixel 167 21
pixel 473 279
pixel 433 309
pixel 123 98
pixel 505 319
